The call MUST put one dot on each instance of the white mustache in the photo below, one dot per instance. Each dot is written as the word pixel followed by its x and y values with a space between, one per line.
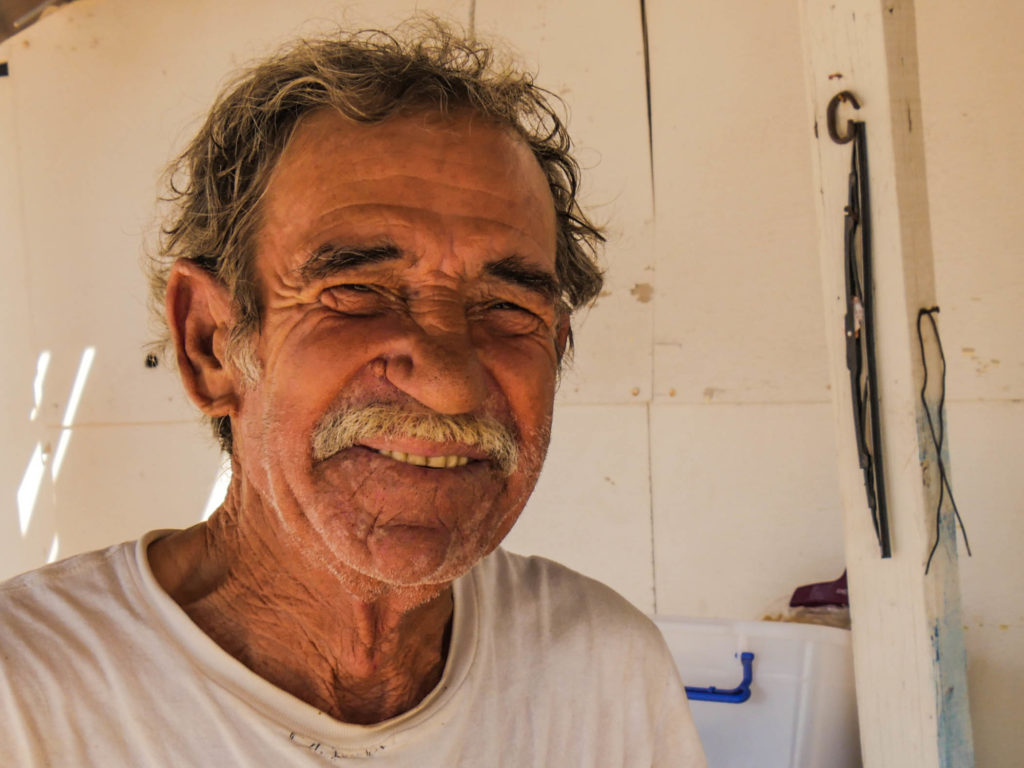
pixel 346 427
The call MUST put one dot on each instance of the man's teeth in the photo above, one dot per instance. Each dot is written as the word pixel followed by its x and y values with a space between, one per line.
pixel 438 462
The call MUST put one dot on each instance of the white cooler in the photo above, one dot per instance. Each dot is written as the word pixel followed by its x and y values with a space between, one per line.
pixel 801 709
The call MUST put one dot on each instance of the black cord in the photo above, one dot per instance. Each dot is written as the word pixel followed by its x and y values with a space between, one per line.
pixel 937 440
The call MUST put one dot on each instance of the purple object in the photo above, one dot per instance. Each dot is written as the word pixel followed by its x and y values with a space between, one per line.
pixel 822 593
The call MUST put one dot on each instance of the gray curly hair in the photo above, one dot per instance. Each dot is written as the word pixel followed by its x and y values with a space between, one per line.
pixel 216 184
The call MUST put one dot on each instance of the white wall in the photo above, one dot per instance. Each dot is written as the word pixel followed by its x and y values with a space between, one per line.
pixel 693 461
pixel 974 137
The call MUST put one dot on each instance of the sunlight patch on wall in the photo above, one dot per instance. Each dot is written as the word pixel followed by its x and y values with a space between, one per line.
pixel 54 549
pixel 88 354
pixel 219 489
pixel 32 480
pixel 28 491
pixel 42 364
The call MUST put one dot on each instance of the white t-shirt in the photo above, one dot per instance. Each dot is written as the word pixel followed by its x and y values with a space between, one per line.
pixel 546 668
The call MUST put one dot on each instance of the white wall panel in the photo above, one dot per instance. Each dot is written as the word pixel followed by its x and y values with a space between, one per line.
pixel 24 490
pixel 739 315
pixel 593 56
pixel 975 142
pixel 102 485
pixel 28 522
pixel 591 509
pixel 746 506
pixel 970 55
pixel 986 446
pixel 117 482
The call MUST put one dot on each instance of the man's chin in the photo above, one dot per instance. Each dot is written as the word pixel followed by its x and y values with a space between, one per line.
pixel 417 556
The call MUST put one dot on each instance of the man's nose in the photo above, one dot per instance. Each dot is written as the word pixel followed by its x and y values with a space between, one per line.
pixel 440 369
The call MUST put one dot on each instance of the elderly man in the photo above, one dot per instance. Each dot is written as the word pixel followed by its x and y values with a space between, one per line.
pixel 368 280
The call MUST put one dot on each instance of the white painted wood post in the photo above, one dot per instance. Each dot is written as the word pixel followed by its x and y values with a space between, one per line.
pixel 907 633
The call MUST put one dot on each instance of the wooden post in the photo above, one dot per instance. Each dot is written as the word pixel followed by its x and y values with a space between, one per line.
pixel 909 656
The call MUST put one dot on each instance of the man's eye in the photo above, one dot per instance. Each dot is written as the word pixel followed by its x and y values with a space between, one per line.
pixel 354 299
pixel 511 319
pixel 508 306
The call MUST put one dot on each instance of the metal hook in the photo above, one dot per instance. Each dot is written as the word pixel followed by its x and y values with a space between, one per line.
pixel 833 106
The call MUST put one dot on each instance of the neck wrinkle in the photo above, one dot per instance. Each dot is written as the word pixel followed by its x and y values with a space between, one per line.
pixel 301 628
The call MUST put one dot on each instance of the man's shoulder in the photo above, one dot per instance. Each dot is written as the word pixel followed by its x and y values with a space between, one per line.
pixel 539 575
pixel 572 656
pixel 79 573
pixel 60 600
pixel 561 599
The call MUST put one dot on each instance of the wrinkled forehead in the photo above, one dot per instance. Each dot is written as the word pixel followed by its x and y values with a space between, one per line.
pixel 456 142
pixel 337 177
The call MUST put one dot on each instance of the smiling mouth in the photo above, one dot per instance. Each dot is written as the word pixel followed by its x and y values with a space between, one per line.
pixel 433 462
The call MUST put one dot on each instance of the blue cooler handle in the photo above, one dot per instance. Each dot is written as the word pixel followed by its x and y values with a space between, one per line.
pixel 734 696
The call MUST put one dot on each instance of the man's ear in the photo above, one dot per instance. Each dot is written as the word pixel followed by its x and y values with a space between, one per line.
pixel 563 332
pixel 200 318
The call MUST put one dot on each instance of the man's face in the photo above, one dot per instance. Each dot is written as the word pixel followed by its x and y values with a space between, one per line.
pixel 409 263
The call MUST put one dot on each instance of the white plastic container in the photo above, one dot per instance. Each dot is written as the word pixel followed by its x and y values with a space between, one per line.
pixel 802 710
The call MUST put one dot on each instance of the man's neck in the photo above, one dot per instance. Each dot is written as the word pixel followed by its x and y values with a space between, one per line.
pixel 361 659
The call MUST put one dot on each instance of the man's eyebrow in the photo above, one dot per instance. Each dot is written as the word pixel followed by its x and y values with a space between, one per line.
pixel 512 269
pixel 330 259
